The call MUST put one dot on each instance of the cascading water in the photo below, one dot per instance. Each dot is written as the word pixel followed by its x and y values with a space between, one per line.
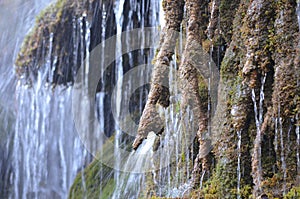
pixel 282 155
pixel 130 184
pixel 258 114
pixel 20 17
pixel 239 173
pixel 47 153
pixel 174 149
pixel 176 141
pixel 119 73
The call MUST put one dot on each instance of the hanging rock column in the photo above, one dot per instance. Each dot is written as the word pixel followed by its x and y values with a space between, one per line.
pixel 159 92
pixel 193 71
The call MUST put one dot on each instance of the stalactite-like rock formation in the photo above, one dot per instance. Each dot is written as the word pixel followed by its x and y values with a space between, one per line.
pixel 159 91
pixel 190 73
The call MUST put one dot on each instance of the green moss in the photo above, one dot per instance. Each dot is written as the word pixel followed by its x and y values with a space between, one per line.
pixel 218 186
pixel 108 189
pixel 228 10
pixel 230 66
pixel 53 11
pixel 48 18
pixel 293 193
pixel 98 181
pixel 234 91
pixel 246 191
pixel 183 157
pixel 177 107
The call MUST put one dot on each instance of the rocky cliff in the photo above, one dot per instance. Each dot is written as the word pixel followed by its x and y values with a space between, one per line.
pixel 254 149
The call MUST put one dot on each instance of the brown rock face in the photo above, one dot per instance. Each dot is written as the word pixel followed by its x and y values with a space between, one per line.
pixel 253 121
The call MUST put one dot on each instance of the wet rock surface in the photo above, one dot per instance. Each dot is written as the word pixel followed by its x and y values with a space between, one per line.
pixel 256 45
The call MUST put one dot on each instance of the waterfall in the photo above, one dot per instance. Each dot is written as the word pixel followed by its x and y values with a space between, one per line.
pixel 128 185
pixel 239 135
pixel 171 162
pixel 119 72
pixel 131 183
pixel 279 134
pixel 276 136
pixel 47 153
pixel 258 114
pixel 20 17
pixel 173 150
pixel 282 155
pixel 175 141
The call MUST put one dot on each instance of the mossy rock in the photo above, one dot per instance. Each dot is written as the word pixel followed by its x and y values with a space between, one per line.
pixel 293 193
pixel 99 182
pixel 54 42
pixel 96 180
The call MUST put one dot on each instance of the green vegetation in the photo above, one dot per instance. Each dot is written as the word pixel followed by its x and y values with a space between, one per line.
pixel 293 193
pixel 98 181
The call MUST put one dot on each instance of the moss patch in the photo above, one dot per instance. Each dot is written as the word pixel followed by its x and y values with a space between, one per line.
pixel 98 181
